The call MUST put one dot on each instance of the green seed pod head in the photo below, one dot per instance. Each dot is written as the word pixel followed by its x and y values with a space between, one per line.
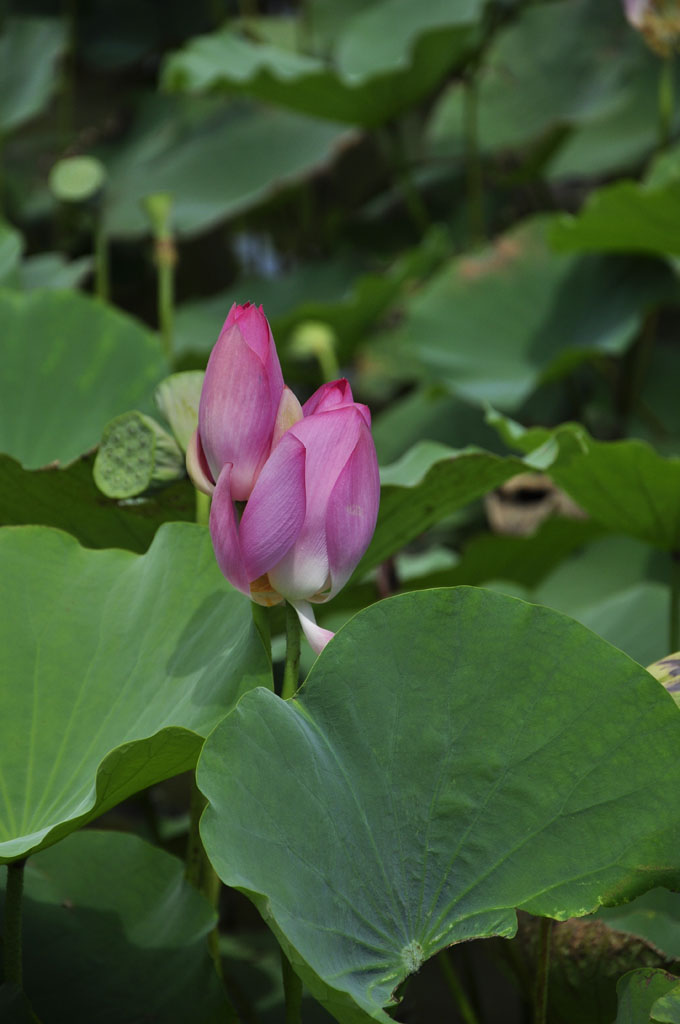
pixel 75 179
pixel 135 455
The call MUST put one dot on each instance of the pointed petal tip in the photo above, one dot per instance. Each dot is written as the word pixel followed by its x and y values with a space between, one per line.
pixel 317 636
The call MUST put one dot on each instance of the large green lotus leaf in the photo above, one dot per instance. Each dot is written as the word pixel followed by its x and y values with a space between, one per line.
pixel 625 485
pixel 115 666
pixel 434 413
pixel 113 932
pixel 495 324
pixel 69 365
pixel 556 65
pixel 427 484
pixel 53 270
pixel 666 1009
pixel 29 52
pixel 215 160
pixel 614 588
pixel 638 993
pixel 524 560
pixel 625 216
pixel 654 916
pixel 618 139
pixel 70 500
pixel 453 755
pixel 387 57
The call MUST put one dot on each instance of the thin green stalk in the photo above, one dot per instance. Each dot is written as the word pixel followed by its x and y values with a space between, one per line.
pixel 12 956
pixel 101 259
pixel 666 102
pixel 543 971
pixel 202 508
pixel 674 624
pixel 166 257
pixel 200 873
pixel 291 672
pixel 261 620
pixel 158 208
pixel 457 991
pixel 292 990
pixel 198 870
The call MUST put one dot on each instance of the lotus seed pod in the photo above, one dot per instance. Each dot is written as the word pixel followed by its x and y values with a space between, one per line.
pixel 135 455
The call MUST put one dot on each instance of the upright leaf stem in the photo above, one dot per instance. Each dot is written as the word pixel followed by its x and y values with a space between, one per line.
pixel 12 955
pixel 292 990
pixel 291 672
pixel 158 208
pixel 166 257
pixel 292 986
pixel 457 991
pixel 542 971
pixel 202 508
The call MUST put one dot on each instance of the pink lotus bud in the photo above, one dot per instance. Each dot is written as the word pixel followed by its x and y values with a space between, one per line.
pixel 241 394
pixel 311 514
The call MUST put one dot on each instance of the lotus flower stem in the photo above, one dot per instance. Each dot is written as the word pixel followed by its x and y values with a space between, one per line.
pixel 542 971
pixel 291 672
pixel 12 960
pixel 202 508
pixel 158 209
pixel 292 989
pixel 263 626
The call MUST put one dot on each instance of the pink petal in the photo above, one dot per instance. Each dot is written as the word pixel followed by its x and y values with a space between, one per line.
pixel 276 510
pixel 197 466
pixel 329 396
pixel 352 512
pixel 317 636
pixel 225 535
pixel 329 439
pixel 238 407
pixel 254 327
